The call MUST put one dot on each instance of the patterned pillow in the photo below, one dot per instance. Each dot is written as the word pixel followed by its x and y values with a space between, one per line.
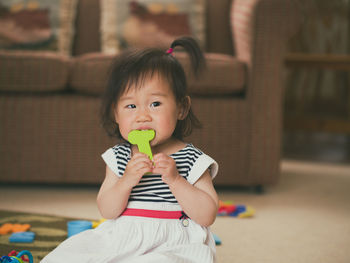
pixel 37 25
pixel 150 23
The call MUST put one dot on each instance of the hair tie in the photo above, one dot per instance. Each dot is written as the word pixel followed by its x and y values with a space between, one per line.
pixel 170 51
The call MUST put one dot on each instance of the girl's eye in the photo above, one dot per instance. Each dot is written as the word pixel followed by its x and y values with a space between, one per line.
pixel 155 104
pixel 131 106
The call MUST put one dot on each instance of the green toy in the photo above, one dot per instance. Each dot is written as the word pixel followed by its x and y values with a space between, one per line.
pixel 142 138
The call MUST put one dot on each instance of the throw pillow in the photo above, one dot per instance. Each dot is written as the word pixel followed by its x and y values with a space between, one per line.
pixel 150 23
pixel 37 25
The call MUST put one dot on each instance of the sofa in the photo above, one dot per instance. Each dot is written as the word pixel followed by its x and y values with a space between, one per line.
pixel 50 132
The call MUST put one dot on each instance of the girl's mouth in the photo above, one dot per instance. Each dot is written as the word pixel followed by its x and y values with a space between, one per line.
pixel 144 128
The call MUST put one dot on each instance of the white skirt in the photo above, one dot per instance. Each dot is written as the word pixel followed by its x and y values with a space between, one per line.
pixel 138 239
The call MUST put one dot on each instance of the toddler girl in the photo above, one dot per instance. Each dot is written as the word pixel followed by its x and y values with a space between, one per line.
pixel 159 210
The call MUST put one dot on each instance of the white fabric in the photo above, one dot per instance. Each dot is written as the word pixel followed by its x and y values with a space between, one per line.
pixel 110 159
pixel 130 239
pixel 203 163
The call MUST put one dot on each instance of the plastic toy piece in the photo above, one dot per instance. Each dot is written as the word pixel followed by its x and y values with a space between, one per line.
pixel 13 259
pixel 77 226
pixel 142 138
pixel 13 228
pixel 239 209
pixel 25 255
pixel 226 208
pixel 217 239
pixel 250 212
pixel 18 258
pixel 22 237
pixel 97 223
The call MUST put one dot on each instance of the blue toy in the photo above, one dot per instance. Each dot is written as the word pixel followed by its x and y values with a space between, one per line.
pixel 77 226
pixel 217 239
pixel 229 209
pixel 239 209
pixel 17 258
pixel 22 237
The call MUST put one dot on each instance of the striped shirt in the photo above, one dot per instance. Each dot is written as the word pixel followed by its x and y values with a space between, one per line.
pixel 191 163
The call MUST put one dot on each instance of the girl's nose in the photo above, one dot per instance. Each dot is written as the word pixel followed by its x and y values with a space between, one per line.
pixel 143 115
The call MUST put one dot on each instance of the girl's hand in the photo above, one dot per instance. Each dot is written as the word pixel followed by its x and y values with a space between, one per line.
pixel 136 168
pixel 166 166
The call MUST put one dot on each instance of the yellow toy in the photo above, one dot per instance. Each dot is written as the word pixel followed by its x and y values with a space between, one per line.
pixel 142 138
pixel 97 223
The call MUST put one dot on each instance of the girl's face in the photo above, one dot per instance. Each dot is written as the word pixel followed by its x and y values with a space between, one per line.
pixel 151 106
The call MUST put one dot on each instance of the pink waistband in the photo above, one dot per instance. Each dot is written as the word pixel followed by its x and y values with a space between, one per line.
pixel 154 213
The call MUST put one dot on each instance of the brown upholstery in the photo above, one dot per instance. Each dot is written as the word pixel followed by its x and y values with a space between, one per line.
pixel 87 37
pixel 54 139
pixel 49 104
pixel 224 74
pixel 90 72
pixel 27 71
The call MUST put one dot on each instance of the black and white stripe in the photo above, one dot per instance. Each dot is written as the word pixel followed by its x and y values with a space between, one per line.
pixel 151 188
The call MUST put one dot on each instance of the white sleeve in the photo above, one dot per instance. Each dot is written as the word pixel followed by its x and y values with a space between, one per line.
pixel 203 163
pixel 111 161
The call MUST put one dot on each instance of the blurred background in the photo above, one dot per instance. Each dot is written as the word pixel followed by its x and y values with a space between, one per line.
pixel 317 95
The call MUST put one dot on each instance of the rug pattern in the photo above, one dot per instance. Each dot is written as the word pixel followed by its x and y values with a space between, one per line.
pixel 49 231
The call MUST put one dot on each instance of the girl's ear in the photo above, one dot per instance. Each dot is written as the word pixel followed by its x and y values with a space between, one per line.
pixel 184 108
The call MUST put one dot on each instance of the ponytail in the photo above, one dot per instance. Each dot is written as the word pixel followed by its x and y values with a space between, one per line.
pixel 192 48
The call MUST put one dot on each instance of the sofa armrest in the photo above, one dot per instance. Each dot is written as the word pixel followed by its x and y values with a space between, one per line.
pixel 262 25
pixel 260 31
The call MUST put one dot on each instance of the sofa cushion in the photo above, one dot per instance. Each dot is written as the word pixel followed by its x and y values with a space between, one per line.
pixel 23 71
pixel 224 74
pixel 90 72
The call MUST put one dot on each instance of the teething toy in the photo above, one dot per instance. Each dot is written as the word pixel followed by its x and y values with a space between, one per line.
pixel 15 257
pixel 142 138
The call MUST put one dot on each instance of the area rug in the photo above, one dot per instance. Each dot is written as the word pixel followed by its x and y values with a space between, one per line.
pixel 49 232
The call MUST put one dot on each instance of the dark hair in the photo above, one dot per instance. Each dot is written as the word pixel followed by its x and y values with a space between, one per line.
pixel 133 66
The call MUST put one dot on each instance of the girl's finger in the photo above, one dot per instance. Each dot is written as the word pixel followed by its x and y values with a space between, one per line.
pixel 140 157
pixel 142 164
pixel 161 164
pixel 145 170
pixel 160 156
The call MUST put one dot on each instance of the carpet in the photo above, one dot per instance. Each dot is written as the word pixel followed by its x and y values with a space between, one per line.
pixel 50 231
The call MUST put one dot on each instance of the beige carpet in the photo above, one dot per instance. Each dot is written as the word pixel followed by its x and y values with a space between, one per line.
pixel 305 218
